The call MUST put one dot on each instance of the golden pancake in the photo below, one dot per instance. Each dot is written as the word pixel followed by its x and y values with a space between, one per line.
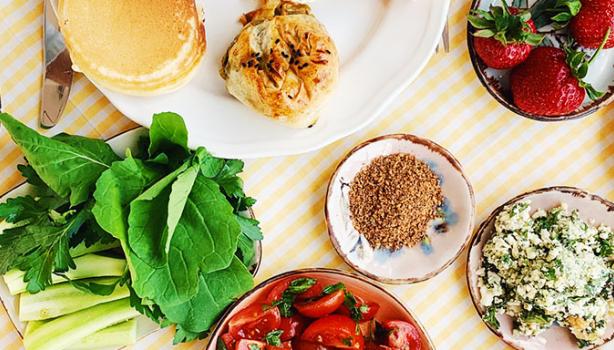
pixel 136 47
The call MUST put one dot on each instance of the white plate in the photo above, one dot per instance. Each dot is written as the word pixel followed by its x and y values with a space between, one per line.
pixel 383 45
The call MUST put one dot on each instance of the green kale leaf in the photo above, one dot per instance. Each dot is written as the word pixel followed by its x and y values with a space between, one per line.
pixel 216 291
pixel 68 169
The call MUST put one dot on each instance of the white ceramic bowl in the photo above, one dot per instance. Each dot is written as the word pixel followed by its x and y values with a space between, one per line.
pixel 590 207
pixel 445 242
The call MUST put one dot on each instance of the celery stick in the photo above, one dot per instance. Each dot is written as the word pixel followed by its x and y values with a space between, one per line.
pixel 81 249
pixel 62 299
pixel 121 334
pixel 31 326
pixel 88 266
pixel 63 331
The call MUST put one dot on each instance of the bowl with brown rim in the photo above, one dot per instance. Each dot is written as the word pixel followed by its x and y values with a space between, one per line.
pixel 496 82
pixel 445 237
pixel 391 308
pixel 590 207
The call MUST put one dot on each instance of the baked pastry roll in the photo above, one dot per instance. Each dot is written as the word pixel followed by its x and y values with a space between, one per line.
pixel 283 63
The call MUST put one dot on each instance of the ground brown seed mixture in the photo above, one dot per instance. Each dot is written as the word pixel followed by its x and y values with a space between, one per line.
pixel 392 200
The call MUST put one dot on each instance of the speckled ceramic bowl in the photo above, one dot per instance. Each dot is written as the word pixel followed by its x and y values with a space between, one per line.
pixel 496 82
pixel 390 306
pixel 446 238
pixel 590 207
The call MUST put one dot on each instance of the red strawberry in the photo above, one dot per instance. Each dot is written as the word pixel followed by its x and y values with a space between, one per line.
pixel 544 84
pixel 504 36
pixel 549 82
pixel 590 25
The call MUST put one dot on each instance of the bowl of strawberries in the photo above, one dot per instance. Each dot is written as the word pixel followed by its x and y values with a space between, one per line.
pixel 547 60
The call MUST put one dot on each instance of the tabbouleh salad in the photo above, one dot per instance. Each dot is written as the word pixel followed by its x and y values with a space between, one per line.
pixel 549 267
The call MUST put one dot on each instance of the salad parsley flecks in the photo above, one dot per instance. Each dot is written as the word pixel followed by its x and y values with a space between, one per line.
pixel 547 267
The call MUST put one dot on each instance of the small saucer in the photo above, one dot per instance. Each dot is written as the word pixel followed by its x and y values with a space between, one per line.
pixel 446 237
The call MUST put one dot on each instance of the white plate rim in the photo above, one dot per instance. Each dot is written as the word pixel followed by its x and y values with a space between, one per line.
pixel 428 42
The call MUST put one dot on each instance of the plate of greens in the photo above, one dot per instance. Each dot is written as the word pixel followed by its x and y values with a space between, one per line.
pixel 108 241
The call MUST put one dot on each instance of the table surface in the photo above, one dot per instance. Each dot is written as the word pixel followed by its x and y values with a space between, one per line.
pixel 502 154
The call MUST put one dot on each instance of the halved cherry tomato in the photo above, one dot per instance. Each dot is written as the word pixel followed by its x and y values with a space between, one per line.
pixel 248 344
pixel 402 335
pixel 370 308
pixel 324 306
pixel 284 346
pixel 335 331
pixel 292 326
pixel 313 292
pixel 254 322
pixel 278 289
pixel 229 341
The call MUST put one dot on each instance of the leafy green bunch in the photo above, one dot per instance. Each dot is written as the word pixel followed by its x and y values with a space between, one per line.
pixel 43 226
pixel 179 215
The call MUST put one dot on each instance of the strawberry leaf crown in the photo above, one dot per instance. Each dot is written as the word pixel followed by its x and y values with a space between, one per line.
pixel 578 63
pixel 499 23
pixel 555 12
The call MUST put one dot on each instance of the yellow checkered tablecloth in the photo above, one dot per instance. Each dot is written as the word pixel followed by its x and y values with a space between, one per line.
pixel 502 154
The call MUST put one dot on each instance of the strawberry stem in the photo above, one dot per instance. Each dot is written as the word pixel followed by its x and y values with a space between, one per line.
pixel 506 9
pixel 605 40
pixel 578 63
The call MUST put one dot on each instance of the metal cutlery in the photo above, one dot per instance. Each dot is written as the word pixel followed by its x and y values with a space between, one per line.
pixel 57 73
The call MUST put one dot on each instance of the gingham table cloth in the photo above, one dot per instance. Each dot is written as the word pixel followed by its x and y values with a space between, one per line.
pixel 502 154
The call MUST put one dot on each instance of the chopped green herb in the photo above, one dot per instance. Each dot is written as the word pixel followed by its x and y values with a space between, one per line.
pixel 330 289
pixel 254 347
pixel 347 341
pixel 352 305
pixel 583 343
pixel 490 317
pixel 298 286
pixel 274 337
pixel 550 274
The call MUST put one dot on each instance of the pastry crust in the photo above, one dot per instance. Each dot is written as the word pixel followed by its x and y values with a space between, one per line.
pixel 283 63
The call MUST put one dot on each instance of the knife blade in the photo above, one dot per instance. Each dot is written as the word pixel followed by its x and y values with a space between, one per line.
pixel 57 73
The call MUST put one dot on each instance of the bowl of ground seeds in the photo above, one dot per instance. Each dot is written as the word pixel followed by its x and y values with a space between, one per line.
pixel 399 209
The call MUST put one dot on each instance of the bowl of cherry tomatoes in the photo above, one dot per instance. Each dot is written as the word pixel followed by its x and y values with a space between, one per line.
pixel 319 309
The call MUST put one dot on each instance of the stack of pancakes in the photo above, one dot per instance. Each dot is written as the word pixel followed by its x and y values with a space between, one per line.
pixel 136 47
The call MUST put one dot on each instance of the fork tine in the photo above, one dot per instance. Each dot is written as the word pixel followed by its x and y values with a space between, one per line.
pixel 445 36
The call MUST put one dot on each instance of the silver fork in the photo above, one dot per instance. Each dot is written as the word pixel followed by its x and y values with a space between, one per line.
pixel 445 38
